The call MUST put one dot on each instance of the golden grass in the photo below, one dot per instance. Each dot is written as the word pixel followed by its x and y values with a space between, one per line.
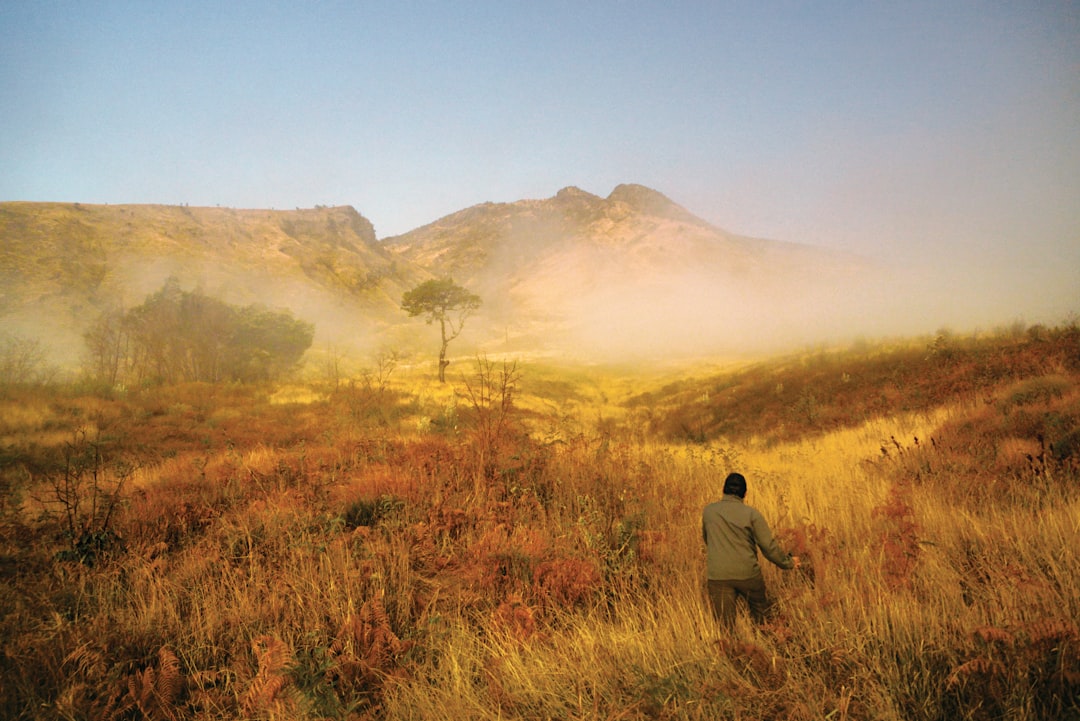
pixel 316 566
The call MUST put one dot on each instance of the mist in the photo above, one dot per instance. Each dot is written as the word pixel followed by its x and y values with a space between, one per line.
pixel 609 315
pixel 574 277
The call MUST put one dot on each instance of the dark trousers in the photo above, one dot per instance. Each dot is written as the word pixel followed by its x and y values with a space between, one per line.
pixel 723 595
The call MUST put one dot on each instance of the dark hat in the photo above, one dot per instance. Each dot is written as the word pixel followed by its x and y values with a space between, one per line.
pixel 735 485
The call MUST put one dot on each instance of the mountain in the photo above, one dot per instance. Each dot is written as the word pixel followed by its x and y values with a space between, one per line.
pixel 633 274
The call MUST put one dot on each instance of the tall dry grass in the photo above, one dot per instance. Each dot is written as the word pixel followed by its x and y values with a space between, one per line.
pixel 425 555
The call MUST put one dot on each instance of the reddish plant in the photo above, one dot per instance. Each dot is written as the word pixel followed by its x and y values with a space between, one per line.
pixel 516 617
pixel 567 582
pixel 366 650
pixel 899 537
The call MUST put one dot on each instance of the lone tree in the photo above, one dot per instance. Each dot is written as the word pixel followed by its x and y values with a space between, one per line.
pixel 444 301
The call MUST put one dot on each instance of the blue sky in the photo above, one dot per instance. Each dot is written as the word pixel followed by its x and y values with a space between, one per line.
pixel 944 133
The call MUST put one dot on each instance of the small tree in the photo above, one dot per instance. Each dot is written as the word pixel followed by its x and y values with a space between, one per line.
pixel 108 348
pixel 85 488
pixel 22 361
pixel 444 301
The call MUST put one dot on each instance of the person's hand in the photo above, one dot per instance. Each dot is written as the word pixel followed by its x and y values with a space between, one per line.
pixel 797 563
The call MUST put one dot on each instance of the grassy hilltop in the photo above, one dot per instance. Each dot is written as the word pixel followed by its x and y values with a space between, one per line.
pixel 524 541
pixel 62 265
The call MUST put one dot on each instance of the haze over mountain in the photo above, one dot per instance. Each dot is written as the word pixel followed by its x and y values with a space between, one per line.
pixel 631 275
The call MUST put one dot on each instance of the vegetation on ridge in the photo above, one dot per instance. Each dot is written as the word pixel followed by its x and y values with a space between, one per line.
pixel 520 543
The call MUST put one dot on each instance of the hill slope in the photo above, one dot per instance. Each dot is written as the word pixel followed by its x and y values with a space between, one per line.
pixel 790 398
pixel 632 274
pixel 68 262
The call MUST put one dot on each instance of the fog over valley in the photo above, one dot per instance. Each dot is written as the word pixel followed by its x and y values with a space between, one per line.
pixel 631 276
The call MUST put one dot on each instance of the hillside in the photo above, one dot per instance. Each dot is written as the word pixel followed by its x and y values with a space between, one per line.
pixel 792 397
pixel 67 262
pixel 630 276
pixel 634 274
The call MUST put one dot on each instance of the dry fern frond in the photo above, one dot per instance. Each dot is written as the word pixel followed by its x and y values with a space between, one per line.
pixel 119 704
pixel 170 680
pixel 765 668
pixel 86 662
pixel 274 657
pixel 141 690
pixel 208 692
pixel 1051 630
pixel 567 582
pixel 516 617
pixel 71 702
pixel 980 665
pixel 366 646
pixel 154 692
pixel 993 634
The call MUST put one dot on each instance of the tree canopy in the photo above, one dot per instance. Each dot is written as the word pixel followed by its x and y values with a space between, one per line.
pixel 445 301
pixel 178 335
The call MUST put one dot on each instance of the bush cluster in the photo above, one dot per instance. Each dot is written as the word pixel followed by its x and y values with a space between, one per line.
pixel 179 336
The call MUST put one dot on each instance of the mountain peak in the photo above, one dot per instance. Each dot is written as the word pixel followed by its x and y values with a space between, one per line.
pixel 574 193
pixel 652 202
pixel 634 194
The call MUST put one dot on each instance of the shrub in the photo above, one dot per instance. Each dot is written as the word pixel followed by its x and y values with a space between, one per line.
pixel 1035 390
pixel 370 511
pixel 84 491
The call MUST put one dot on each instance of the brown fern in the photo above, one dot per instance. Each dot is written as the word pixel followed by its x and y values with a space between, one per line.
pixel 366 648
pixel 978 666
pixel 273 657
pixel 153 693
pixel 170 679
pixel 84 661
pixel 993 634
pixel 141 690
pixel 516 617
pixel 1051 631
pixel 118 705
pixel 763 668
pixel 899 537
pixel 567 582
pixel 1052 656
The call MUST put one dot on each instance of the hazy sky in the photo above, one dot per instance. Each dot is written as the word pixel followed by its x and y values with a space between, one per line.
pixel 945 133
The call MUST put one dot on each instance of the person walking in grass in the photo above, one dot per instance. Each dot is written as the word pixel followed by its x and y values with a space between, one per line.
pixel 733 533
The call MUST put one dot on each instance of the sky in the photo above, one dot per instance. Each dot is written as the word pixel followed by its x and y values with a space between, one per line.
pixel 937 135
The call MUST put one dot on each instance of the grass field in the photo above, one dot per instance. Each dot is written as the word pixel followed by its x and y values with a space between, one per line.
pixel 524 542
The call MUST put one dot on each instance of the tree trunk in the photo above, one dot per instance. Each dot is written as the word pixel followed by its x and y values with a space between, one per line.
pixel 442 352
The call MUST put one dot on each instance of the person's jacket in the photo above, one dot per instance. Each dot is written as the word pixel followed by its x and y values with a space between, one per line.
pixel 733 532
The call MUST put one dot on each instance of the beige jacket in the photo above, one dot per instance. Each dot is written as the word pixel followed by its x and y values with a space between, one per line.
pixel 733 533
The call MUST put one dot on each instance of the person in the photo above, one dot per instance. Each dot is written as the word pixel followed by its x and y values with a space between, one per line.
pixel 733 533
